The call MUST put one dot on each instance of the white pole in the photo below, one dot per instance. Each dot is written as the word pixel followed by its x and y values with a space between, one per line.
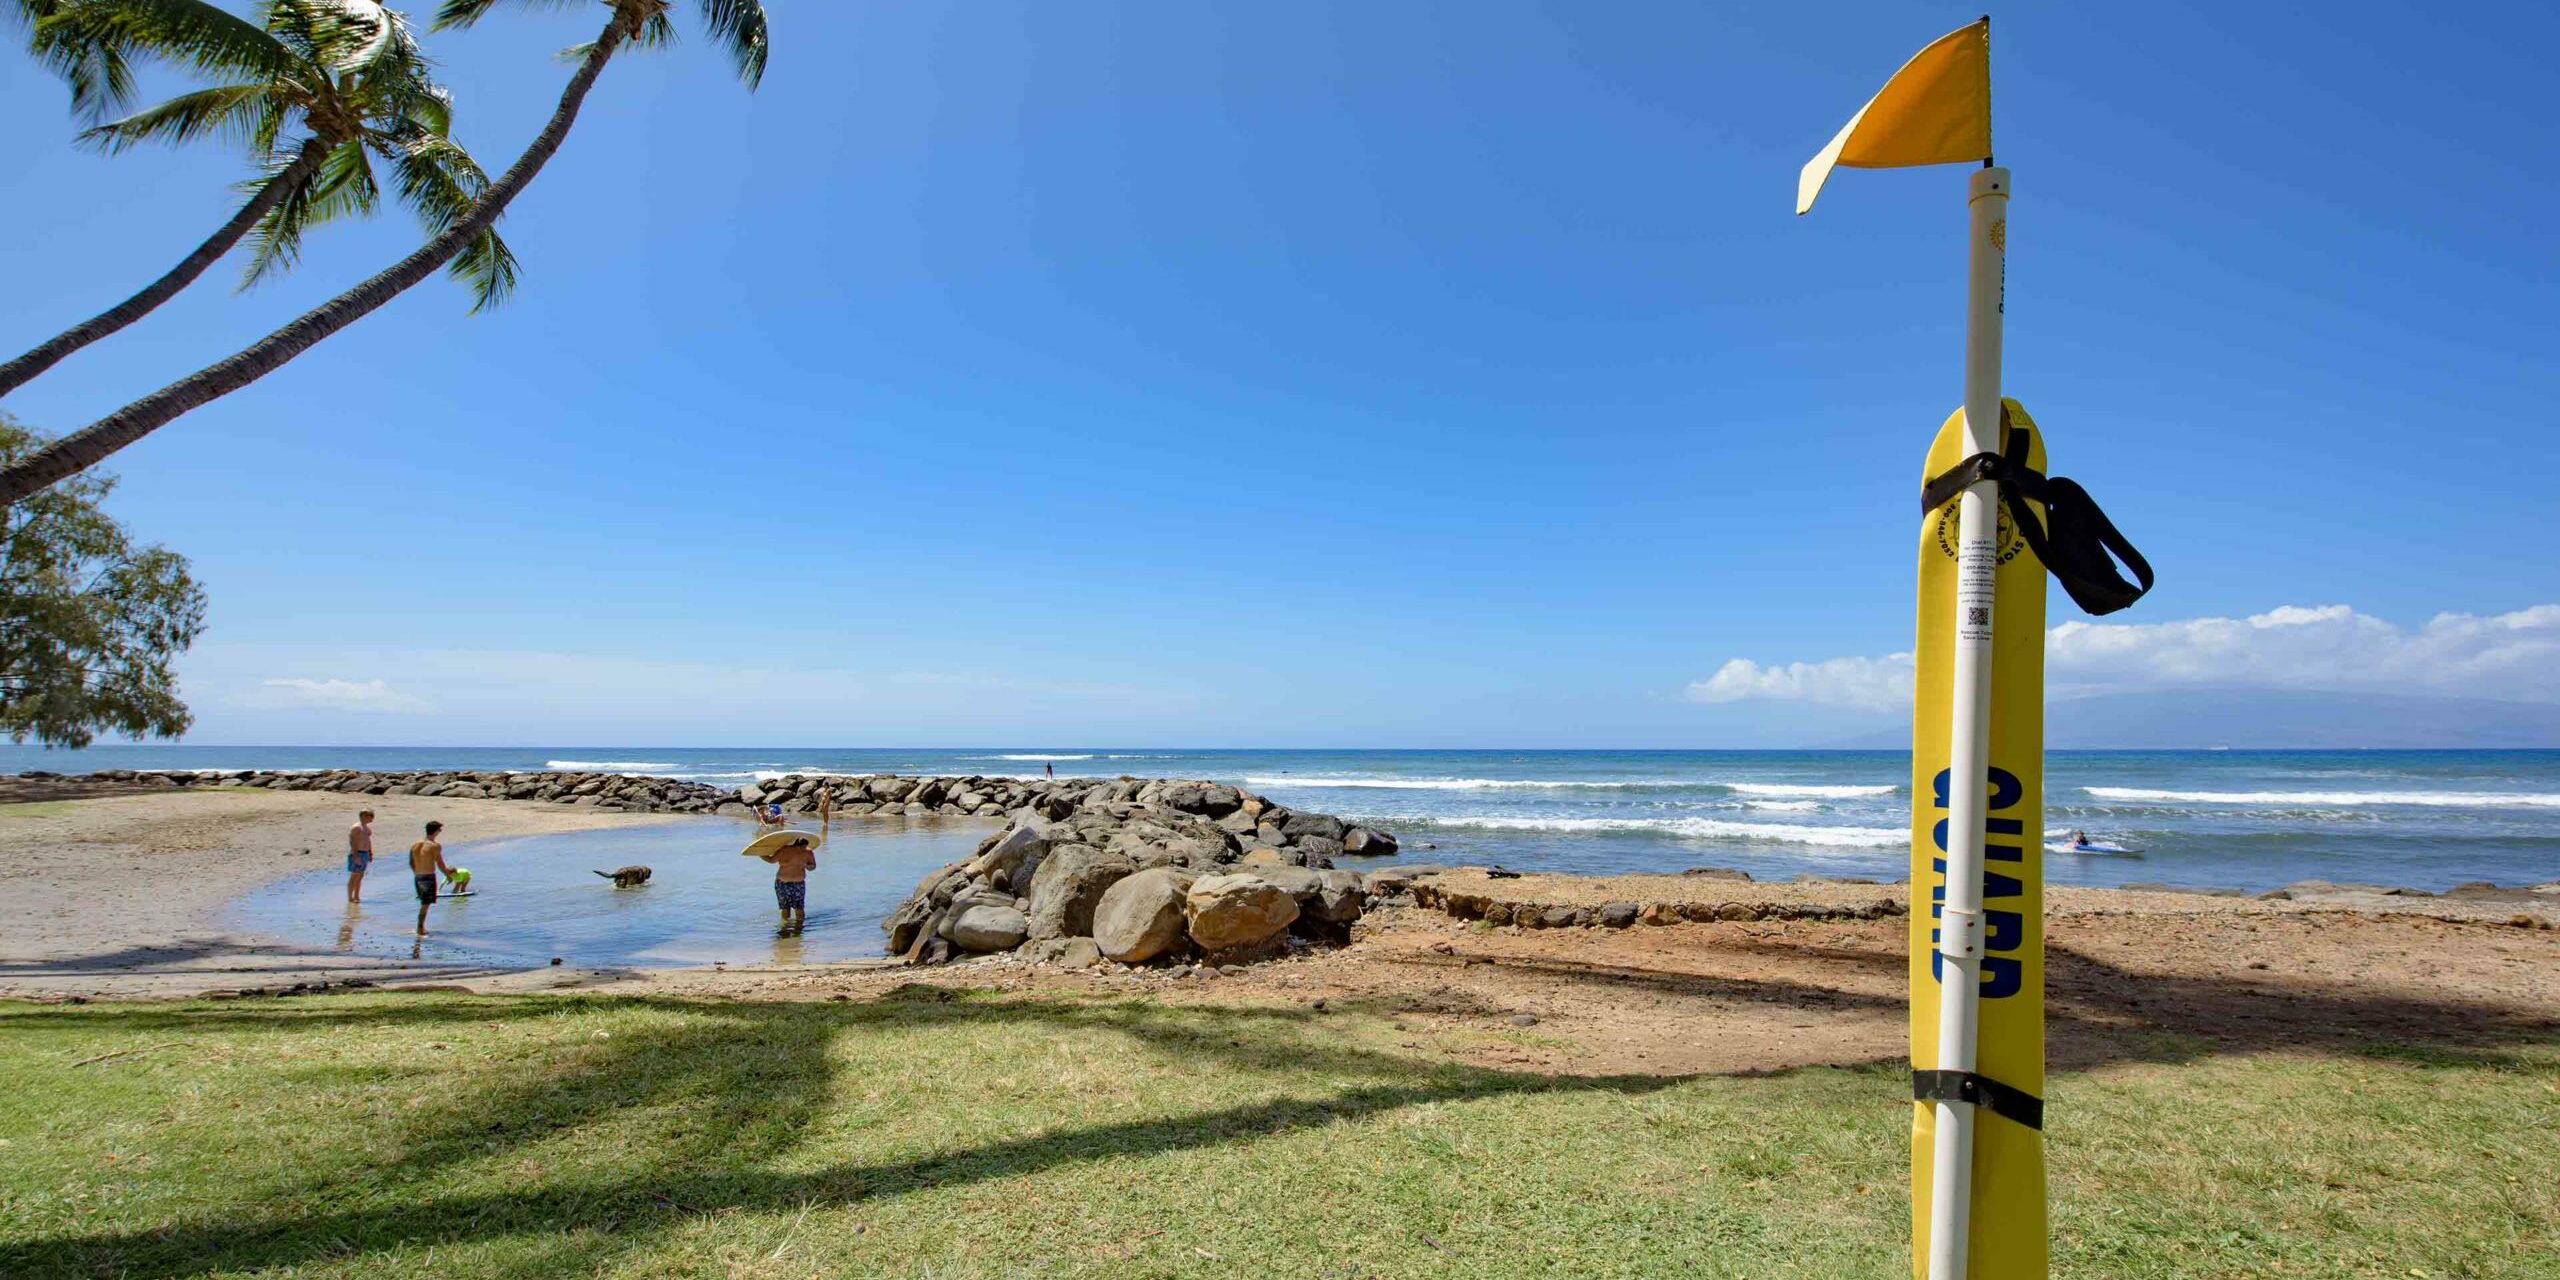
pixel 1969 753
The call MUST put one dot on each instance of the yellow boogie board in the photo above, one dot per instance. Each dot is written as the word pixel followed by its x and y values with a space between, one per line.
pixel 2008 1231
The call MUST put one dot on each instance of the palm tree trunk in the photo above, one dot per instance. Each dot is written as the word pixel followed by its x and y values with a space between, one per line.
pixel 17 373
pixel 91 444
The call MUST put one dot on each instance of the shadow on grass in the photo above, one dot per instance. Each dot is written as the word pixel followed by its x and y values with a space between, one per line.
pixel 704 1114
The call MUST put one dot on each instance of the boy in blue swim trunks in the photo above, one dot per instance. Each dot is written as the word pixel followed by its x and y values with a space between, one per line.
pixel 359 854
pixel 426 858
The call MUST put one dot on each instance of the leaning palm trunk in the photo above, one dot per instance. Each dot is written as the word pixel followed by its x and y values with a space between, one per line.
pixel 91 444
pixel 19 372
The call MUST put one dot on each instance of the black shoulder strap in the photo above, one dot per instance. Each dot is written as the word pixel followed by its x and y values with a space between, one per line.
pixel 2015 1105
pixel 2075 540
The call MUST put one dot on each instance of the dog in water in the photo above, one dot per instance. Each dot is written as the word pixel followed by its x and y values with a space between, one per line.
pixel 626 877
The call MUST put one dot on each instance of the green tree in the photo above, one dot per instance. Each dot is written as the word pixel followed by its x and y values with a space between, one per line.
pixel 89 622
pixel 739 27
pixel 317 92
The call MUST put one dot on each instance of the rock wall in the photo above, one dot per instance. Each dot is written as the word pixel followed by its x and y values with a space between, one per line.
pixel 1135 872
pixel 854 796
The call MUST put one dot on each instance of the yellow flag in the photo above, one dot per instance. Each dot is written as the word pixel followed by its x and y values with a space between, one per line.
pixel 2008 1236
pixel 1936 110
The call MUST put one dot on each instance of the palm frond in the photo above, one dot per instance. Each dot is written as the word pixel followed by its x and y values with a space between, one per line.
pixel 97 72
pixel 235 110
pixel 346 187
pixel 275 244
pixel 342 187
pixel 657 31
pixel 196 34
pixel 440 182
pixel 462 13
pixel 739 26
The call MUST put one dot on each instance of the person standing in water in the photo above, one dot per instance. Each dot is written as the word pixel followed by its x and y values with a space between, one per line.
pixel 791 866
pixel 359 854
pixel 426 859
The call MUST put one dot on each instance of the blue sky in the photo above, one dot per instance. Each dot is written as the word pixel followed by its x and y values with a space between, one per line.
pixel 1348 374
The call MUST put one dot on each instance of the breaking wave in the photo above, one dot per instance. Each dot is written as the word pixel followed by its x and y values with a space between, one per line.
pixel 608 766
pixel 1697 829
pixel 2340 799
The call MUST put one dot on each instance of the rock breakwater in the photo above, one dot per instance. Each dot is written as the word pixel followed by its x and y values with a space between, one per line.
pixel 1138 872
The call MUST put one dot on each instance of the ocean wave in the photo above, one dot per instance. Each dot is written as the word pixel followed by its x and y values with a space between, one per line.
pixel 1031 757
pixel 1817 791
pixel 1783 806
pixel 607 766
pixel 2343 799
pixel 1697 829
pixel 1355 781
pixel 1358 781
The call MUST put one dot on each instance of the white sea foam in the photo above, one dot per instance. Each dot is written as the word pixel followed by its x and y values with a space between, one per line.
pixel 1365 781
pixel 805 771
pixel 2341 799
pixel 1353 781
pixel 1817 791
pixel 1784 806
pixel 609 766
pixel 1033 757
pixel 1698 829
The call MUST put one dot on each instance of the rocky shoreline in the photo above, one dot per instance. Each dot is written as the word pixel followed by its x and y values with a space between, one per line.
pixel 1133 872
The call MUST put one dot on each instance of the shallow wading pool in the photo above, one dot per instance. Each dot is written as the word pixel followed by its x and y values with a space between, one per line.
pixel 536 897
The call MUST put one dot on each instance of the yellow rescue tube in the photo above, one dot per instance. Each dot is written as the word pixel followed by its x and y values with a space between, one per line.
pixel 2008 1233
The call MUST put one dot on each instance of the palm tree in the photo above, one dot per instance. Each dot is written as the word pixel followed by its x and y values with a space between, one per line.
pixel 345 75
pixel 738 25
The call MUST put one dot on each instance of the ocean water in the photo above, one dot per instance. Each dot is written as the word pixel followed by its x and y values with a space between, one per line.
pixel 2240 819
pixel 536 897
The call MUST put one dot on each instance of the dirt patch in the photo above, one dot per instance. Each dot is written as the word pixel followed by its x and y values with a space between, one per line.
pixel 2123 984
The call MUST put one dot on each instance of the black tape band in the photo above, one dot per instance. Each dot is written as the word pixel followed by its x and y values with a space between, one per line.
pixel 2074 541
pixel 2014 1105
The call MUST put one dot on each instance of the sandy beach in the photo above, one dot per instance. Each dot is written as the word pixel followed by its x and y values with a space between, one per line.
pixel 118 897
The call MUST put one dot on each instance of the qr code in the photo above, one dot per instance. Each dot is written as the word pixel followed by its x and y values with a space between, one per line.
pixel 1977 616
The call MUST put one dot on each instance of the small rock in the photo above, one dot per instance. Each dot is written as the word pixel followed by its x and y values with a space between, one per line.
pixel 1524 1019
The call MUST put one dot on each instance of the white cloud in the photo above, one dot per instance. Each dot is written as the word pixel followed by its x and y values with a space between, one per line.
pixel 1861 684
pixel 336 695
pixel 2511 656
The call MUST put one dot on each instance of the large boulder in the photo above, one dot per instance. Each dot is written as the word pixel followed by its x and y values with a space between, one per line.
pixel 1069 885
pixel 986 926
pixel 1338 898
pixel 1027 838
pixel 1361 842
pixel 1141 916
pixel 1314 824
pixel 1232 911
pixel 1317 851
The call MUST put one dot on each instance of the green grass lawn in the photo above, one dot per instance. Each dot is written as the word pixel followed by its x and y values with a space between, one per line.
pixel 921 1135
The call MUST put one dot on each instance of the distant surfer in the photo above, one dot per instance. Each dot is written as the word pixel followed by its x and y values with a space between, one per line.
pixel 2079 839
pixel 426 858
pixel 1049 769
pixel 359 854
pixel 791 865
